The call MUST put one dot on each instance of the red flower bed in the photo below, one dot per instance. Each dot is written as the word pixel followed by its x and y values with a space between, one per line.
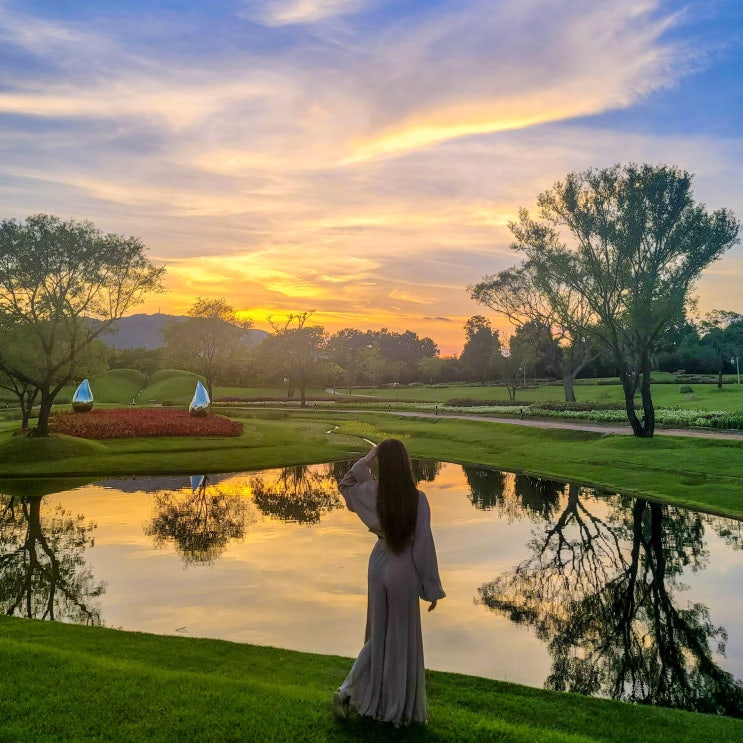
pixel 121 423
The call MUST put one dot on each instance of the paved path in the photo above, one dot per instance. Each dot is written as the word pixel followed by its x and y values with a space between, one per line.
pixel 572 425
pixel 597 427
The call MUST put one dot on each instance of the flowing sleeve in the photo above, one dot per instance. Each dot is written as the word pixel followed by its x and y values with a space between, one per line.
pixel 424 555
pixel 359 490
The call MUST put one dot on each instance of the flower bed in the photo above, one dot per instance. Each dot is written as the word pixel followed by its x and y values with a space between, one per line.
pixel 121 423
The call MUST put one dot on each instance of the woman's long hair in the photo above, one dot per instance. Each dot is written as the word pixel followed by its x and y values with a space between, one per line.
pixel 397 496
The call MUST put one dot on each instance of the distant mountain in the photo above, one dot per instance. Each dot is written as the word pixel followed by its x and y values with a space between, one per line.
pixel 144 331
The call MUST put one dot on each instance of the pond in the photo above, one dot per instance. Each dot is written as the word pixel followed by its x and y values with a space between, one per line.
pixel 548 584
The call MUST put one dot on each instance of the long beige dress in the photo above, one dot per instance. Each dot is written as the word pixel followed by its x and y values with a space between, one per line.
pixel 387 681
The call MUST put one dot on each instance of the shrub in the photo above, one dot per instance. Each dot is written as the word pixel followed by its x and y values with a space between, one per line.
pixel 121 423
pixel 685 389
pixel 467 402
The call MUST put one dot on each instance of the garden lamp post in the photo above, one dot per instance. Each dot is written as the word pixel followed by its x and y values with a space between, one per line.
pixel 736 359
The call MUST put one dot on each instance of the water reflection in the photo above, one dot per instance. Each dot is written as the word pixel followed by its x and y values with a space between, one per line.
pixel 43 574
pixel 300 494
pixel 490 490
pixel 199 520
pixel 600 592
pixel 575 589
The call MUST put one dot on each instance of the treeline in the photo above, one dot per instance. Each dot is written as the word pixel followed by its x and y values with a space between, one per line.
pixel 215 347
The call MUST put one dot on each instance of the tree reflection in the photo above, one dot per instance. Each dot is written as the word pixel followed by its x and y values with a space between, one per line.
pixel 600 593
pixel 200 521
pixel 424 470
pixel 43 574
pixel 490 489
pixel 487 486
pixel 300 494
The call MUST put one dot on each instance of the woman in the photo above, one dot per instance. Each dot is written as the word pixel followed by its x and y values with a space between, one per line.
pixel 387 680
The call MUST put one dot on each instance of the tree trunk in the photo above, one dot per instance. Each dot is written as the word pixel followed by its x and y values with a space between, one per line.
pixel 646 427
pixel 45 410
pixel 628 387
pixel 568 383
pixel 719 376
pixel 648 411
pixel 303 401
pixel 25 415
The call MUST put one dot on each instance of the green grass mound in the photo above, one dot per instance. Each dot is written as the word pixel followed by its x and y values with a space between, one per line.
pixel 24 449
pixel 117 386
pixel 170 386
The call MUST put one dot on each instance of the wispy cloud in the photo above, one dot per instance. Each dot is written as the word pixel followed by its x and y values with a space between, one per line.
pixel 353 166
pixel 287 12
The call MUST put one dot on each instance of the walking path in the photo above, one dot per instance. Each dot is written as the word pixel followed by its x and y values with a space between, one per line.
pixel 596 427
pixel 533 423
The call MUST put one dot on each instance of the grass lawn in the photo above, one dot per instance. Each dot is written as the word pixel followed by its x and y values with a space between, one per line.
pixel 63 682
pixel 703 397
pixel 72 683
pixel 700 473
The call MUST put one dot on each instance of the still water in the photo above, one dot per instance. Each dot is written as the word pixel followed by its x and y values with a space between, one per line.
pixel 548 584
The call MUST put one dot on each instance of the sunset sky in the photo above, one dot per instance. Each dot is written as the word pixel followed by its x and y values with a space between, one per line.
pixel 358 157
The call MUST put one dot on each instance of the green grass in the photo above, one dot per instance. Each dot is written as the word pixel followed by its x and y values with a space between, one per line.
pixel 71 683
pixel 704 396
pixel 63 682
pixel 263 443
pixel 170 386
pixel 117 385
pixel 704 474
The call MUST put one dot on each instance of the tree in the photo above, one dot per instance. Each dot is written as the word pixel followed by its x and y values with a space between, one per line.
pixel 43 573
pixel 295 351
pixel 511 367
pixel 145 360
pixel 299 494
pixel 200 521
pixel 345 348
pixel 723 333
pixel 599 591
pixel 25 390
pixel 482 343
pixel 62 285
pixel 404 349
pixel 515 294
pixel 539 347
pixel 638 245
pixel 207 340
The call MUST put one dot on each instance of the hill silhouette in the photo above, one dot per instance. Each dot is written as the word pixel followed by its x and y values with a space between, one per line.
pixel 144 331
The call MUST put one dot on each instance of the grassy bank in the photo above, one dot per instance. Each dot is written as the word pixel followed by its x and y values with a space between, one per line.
pixel 699 473
pixel 70 683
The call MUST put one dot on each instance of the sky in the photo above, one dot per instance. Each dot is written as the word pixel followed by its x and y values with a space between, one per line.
pixel 361 158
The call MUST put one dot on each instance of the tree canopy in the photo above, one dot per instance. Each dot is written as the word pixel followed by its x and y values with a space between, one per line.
pixel 636 244
pixel 207 341
pixel 62 285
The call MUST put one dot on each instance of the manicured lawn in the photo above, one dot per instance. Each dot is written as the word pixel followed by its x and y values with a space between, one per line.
pixel 703 397
pixel 699 473
pixel 71 683
pixel 63 682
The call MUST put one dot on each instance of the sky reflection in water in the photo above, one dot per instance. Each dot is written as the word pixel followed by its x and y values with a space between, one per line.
pixel 547 583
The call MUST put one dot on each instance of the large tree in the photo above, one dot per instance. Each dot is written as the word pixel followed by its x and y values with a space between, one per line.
pixel 723 334
pixel 637 244
pixel 482 344
pixel 62 285
pixel 515 293
pixel 207 341
pixel 295 349
pixel 346 348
